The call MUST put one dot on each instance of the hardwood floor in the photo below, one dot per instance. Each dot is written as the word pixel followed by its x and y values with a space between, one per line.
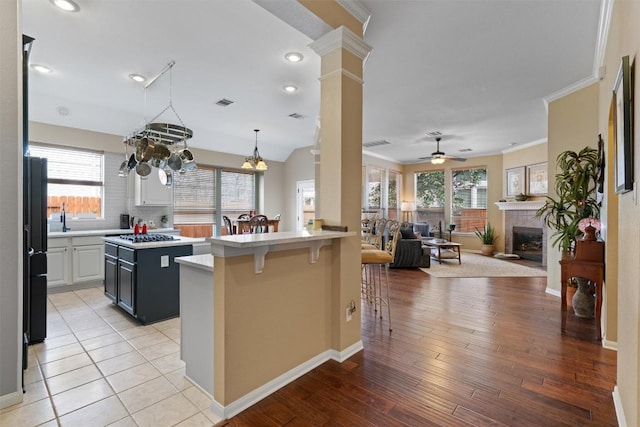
pixel 463 352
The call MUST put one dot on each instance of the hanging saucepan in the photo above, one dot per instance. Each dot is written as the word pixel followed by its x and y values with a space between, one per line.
pixel 132 162
pixel 165 176
pixel 143 169
pixel 161 152
pixel 144 149
pixel 124 166
pixel 185 155
pixel 158 163
pixel 175 161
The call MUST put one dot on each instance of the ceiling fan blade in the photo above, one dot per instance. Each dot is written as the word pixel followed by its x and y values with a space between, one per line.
pixel 458 159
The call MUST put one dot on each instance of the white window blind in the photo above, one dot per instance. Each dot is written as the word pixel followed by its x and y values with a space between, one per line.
pixel 194 196
pixel 74 180
pixel 238 192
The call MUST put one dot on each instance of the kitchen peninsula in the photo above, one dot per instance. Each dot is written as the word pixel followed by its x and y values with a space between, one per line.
pixel 141 276
pixel 263 309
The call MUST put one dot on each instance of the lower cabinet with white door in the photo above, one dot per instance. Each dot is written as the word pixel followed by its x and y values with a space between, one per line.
pixel 75 261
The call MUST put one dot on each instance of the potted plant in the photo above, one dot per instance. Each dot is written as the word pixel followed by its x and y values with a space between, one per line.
pixel 488 237
pixel 164 220
pixel 576 188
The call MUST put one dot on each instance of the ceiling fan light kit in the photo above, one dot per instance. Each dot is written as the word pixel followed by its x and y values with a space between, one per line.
pixel 438 157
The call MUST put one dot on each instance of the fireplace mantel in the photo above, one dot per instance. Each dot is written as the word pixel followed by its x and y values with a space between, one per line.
pixel 532 205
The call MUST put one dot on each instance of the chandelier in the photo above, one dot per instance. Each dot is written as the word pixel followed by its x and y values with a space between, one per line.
pixel 255 162
pixel 159 145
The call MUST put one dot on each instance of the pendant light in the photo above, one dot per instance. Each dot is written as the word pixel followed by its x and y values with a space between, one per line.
pixel 255 162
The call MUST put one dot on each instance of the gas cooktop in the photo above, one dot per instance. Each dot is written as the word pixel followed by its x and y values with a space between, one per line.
pixel 144 238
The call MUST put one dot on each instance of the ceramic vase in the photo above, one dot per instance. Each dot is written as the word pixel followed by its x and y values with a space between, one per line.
pixel 583 300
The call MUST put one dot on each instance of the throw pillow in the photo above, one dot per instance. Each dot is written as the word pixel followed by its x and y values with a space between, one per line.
pixel 407 233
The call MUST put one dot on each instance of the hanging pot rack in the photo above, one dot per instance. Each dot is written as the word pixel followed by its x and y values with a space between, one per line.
pixel 162 141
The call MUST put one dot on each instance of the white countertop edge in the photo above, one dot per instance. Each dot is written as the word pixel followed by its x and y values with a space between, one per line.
pixel 284 237
pixel 202 262
pixel 102 232
pixel 178 241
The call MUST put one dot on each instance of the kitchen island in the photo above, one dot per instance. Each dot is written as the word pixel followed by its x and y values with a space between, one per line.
pixel 142 277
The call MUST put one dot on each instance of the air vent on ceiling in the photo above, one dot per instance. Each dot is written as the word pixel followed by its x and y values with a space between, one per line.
pixel 465 150
pixel 376 143
pixel 224 102
pixel 296 116
pixel 434 133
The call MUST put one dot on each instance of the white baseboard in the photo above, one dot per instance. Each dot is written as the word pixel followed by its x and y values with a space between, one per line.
pixel 251 398
pixel 553 292
pixel 10 399
pixel 609 345
pixel 617 403
pixel 73 287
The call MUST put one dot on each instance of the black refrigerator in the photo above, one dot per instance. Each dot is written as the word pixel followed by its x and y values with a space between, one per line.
pixel 35 250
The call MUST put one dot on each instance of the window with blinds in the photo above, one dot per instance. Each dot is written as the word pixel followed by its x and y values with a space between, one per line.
pixel 75 178
pixel 469 199
pixel 238 192
pixel 194 196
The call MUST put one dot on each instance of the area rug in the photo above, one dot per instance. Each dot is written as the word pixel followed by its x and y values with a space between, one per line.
pixel 476 265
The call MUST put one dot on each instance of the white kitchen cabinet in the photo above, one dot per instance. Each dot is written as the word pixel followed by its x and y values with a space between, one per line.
pixel 75 260
pixel 57 266
pixel 88 263
pixel 149 191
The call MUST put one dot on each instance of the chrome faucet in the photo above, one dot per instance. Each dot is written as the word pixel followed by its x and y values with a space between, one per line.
pixel 63 219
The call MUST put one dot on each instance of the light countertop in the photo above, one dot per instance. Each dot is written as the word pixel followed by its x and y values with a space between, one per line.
pixel 178 241
pixel 203 261
pixel 102 232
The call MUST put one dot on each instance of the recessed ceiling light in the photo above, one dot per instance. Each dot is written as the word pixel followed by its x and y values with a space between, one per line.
pixel 63 111
pixel 137 77
pixel 294 57
pixel 41 68
pixel 66 5
pixel 290 88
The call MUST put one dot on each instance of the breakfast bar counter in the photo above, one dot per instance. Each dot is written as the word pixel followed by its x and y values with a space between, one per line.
pixel 259 311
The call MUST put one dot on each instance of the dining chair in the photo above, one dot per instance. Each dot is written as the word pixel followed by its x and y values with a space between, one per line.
pixel 227 225
pixel 373 260
pixel 258 224
pixel 244 216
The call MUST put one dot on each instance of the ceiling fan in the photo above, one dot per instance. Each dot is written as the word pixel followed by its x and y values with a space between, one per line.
pixel 438 157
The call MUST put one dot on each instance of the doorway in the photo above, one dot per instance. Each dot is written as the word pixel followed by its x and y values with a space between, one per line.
pixel 306 202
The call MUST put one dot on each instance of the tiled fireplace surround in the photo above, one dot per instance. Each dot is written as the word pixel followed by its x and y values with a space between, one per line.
pixel 523 218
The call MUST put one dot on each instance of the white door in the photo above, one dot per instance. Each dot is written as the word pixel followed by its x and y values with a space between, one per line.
pixel 306 203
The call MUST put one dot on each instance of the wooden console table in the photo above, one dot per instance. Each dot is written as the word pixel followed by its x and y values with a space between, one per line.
pixel 588 263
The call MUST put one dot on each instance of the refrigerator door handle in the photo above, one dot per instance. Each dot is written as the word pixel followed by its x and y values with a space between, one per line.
pixel 31 251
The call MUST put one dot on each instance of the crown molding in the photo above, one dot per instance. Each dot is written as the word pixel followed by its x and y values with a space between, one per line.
pixel 581 84
pixel 358 11
pixel 525 145
pixel 343 38
pixel 597 74
pixel 604 23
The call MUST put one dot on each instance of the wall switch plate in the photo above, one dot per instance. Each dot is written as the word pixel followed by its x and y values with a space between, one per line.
pixel 164 261
pixel 348 314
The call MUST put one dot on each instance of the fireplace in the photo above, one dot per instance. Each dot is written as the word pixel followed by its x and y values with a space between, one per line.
pixel 528 243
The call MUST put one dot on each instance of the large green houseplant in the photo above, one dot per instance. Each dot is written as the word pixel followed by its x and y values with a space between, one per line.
pixel 576 190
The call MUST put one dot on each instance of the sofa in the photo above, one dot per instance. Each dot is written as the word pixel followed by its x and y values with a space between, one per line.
pixel 409 250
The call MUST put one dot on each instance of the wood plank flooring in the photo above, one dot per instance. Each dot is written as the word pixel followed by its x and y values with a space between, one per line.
pixel 463 352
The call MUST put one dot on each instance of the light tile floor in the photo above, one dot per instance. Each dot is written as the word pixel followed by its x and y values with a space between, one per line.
pixel 100 367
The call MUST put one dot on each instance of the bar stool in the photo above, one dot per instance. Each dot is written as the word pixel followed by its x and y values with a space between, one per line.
pixel 373 261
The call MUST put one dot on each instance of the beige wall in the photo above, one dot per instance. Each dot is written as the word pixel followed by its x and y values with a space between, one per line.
pixel 494 192
pixel 624 39
pixel 526 156
pixel 299 166
pixel 572 126
pixel 265 325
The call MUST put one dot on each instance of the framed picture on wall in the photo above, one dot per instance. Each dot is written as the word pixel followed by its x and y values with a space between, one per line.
pixel 622 109
pixel 514 181
pixel 537 181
